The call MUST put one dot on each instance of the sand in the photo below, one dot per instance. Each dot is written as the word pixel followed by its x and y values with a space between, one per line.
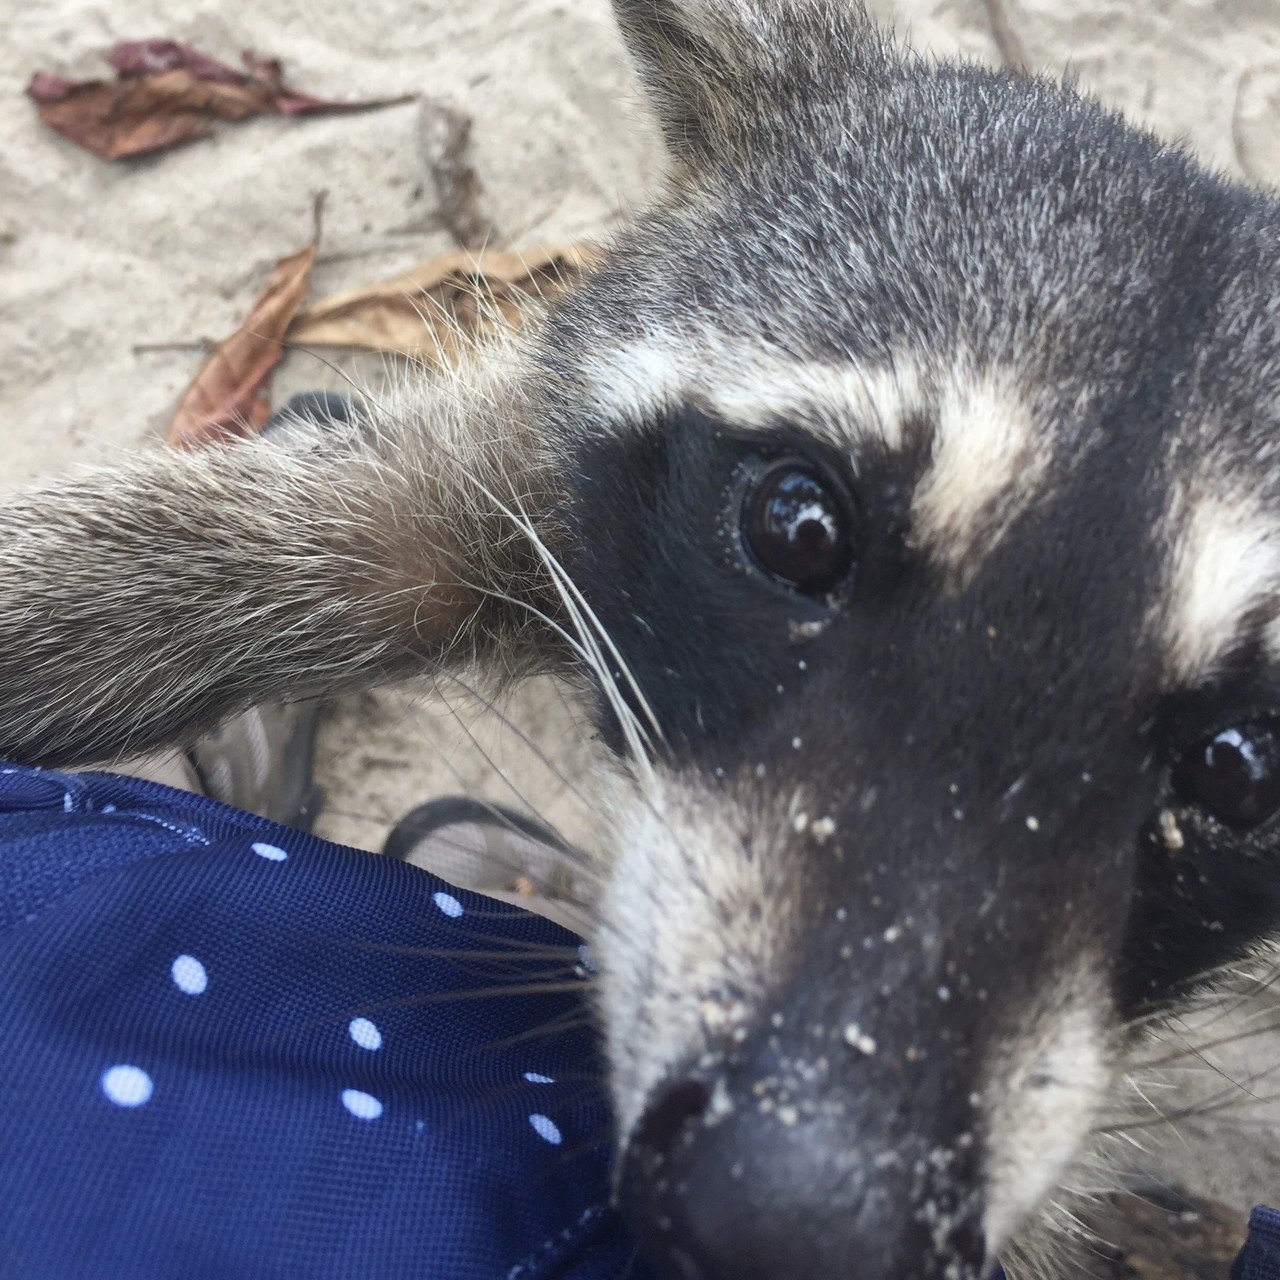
pixel 97 261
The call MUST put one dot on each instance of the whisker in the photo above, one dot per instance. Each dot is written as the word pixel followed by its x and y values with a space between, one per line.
pixel 554 1027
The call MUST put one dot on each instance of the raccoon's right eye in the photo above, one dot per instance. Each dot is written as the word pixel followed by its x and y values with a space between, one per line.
pixel 1235 775
pixel 796 524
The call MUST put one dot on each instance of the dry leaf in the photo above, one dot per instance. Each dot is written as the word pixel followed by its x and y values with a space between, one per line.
pixel 430 312
pixel 166 94
pixel 228 397
pixel 134 58
pixel 134 117
pixel 445 133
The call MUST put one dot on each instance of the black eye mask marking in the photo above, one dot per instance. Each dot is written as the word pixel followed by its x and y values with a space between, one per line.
pixel 1234 775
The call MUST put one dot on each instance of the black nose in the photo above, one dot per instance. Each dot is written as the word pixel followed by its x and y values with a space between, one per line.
pixel 740 1177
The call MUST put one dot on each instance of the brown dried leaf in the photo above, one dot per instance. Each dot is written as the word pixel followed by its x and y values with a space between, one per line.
pixel 433 311
pixel 228 398
pixel 134 117
pixel 166 94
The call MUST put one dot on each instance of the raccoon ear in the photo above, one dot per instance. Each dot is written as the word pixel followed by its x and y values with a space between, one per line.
pixel 691 56
pixel 717 69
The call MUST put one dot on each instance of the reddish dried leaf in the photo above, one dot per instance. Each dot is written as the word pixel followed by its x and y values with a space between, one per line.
pixel 135 116
pixel 165 94
pixel 429 313
pixel 47 88
pixel 134 58
pixel 228 398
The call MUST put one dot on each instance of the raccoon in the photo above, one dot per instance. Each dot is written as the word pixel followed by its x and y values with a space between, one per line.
pixel 904 489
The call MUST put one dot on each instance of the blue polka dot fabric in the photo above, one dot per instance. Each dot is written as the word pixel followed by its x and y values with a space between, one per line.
pixel 231 1050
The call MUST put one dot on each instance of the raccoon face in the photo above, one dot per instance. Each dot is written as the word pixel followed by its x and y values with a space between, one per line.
pixel 922 485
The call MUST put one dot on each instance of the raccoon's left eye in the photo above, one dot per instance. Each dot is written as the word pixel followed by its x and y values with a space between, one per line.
pixel 796 526
pixel 1235 775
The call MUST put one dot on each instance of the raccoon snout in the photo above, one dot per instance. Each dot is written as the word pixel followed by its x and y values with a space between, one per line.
pixel 728 1177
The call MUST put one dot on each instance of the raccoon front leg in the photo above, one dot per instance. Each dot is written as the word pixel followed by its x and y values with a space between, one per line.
pixel 141 605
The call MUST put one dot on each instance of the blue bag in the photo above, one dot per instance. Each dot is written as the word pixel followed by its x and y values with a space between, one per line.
pixel 232 1050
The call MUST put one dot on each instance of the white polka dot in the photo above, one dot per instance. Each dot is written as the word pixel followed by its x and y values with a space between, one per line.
pixel 364 1106
pixel 189 975
pixel 127 1086
pixel 365 1033
pixel 269 851
pixel 448 904
pixel 534 1077
pixel 546 1128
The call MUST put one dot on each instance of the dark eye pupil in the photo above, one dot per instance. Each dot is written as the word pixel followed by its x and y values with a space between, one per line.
pixel 1235 775
pixel 797 528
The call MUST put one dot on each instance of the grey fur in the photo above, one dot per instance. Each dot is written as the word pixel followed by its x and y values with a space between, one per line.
pixel 148 601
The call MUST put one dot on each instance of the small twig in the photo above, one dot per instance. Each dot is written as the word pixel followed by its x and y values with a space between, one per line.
pixel 1012 51
pixel 317 213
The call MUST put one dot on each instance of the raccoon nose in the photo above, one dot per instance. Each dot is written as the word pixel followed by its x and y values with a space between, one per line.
pixel 719 1185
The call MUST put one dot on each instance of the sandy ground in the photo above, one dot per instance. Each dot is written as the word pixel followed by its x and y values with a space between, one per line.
pixel 97 260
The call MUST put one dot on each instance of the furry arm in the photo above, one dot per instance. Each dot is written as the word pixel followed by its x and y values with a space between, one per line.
pixel 141 605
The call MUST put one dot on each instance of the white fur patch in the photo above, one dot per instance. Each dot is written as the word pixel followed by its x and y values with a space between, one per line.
pixel 844 404
pixel 636 382
pixel 984 469
pixel 1042 1093
pixel 691 930
pixel 1226 565
pixel 755 387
